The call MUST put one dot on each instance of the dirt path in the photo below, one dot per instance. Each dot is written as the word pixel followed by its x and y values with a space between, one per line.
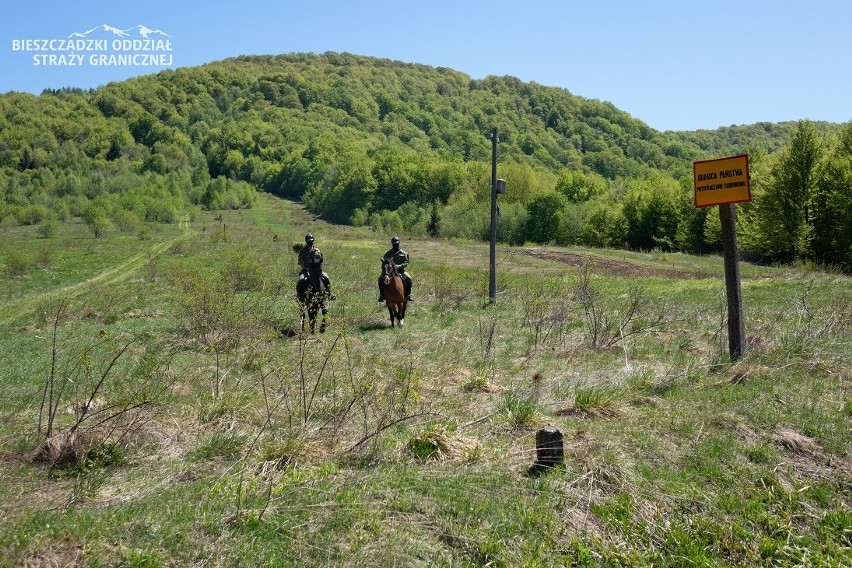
pixel 111 276
pixel 610 266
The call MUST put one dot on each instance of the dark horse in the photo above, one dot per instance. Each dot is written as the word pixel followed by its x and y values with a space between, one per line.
pixel 394 292
pixel 312 295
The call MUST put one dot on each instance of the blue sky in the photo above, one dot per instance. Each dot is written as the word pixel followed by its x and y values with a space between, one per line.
pixel 676 65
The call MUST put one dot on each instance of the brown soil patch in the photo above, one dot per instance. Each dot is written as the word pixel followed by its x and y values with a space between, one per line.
pixel 610 267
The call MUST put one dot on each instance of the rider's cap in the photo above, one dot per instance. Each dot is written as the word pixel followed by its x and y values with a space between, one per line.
pixel 309 238
pixel 395 241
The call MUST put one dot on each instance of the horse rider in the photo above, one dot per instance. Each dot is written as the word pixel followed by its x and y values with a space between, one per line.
pixel 400 258
pixel 310 255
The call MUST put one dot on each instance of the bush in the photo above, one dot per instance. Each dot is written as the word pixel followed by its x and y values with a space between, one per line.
pixel 99 225
pixel 604 226
pixel 360 217
pixel 243 272
pixel 49 227
pixel 44 257
pixel 127 221
pixel 33 214
pixel 465 221
pixel 545 213
pixel 17 264
pixel 387 222
pixel 512 224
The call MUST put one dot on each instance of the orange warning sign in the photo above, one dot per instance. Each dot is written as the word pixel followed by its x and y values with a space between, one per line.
pixel 721 181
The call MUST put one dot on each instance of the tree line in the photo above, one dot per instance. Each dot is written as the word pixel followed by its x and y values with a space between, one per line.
pixel 403 147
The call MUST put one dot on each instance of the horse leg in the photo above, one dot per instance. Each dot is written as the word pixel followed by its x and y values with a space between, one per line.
pixel 324 319
pixel 390 313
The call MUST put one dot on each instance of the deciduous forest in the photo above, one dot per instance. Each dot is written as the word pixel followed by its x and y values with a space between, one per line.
pixel 403 147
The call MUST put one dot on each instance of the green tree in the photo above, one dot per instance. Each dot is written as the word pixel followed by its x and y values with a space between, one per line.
pixel 831 206
pixel 396 174
pixel 544 216
pixel 579 187
pixel 98 221
pixel 49 226
pixel 782 213
pixel 347 184
pixel 605 224
pixel 652 209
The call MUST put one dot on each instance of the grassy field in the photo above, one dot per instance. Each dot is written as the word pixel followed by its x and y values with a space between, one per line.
pixel 160 407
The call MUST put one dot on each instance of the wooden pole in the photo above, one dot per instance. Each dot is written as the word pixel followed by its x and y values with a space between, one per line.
pixel 736 324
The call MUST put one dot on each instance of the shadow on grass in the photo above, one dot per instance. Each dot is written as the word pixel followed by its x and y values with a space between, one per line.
pixel 287 331
pixel 374 326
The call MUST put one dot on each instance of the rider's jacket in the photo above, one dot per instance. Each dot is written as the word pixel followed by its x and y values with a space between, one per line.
pixel 309 256
pixel 399 257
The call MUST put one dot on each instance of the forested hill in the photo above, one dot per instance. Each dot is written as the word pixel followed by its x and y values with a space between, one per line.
pixel 359 140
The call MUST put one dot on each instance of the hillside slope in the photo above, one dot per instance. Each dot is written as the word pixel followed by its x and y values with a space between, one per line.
pixel 369 141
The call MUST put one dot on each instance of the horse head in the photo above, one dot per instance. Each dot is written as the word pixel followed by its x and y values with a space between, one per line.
pixel 389 270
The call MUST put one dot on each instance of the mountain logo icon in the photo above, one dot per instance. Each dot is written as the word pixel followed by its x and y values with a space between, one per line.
pixel 140 30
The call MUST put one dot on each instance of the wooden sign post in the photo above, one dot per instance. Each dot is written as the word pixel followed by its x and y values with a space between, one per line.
pixel 724 182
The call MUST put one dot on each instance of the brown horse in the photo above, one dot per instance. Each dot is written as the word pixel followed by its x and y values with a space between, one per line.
pixel 312 295
pixel 394 292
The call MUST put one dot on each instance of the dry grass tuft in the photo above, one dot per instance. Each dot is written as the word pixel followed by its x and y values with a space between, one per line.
pixel 83 406
pixel 72 555
pixel 63 449
pixel 594 402
pixel 291 452
pixel 437 443
pixel 797 443
pixel 808 461
pixel 604 465
pixel 146 431
pixel 592 412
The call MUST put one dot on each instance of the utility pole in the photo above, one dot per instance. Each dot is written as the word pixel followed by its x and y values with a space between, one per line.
pixel 492 276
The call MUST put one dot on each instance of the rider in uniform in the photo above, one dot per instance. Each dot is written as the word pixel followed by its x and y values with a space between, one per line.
pixel 400 258
pixel 310 255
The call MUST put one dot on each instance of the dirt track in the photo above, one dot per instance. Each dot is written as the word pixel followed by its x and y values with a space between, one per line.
pixel 111 276
pixel 610 266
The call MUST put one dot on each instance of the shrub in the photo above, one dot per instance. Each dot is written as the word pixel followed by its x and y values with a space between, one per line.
pixel 545 213
pixel 17 264
pixel 33 214
pixel 49 227
pixel 243 272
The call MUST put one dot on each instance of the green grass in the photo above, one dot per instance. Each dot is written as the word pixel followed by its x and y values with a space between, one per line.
pixel 228 439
